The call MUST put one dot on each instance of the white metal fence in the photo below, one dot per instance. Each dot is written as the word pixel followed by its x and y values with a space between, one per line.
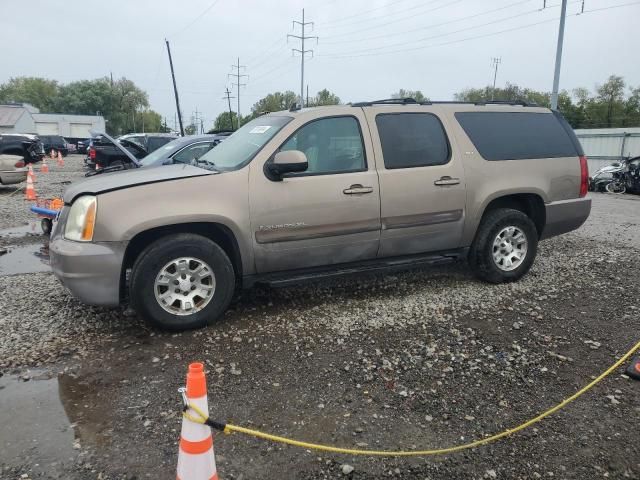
pixel 607 145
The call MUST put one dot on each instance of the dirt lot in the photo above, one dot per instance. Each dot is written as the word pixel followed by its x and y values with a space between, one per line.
pixel 423 359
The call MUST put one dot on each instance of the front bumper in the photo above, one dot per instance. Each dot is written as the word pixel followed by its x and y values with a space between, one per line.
pixel 91 271
pixel 565 215
pixel 11 177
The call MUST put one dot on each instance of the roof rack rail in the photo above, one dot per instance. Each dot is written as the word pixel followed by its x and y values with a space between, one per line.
pixel 507 102
pixel 389 101
pixel 412 101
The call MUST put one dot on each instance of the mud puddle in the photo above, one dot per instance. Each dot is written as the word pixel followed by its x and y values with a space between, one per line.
pixel 35 429
pixel 20 259
pixel 21 231
pixel 47 421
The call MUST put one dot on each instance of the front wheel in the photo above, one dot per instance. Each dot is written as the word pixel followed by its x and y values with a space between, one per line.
pixel 616 187
pixel 182 281
pixel 505 246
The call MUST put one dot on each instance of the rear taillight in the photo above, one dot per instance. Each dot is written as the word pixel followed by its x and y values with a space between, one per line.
pixel 92 153
pixel 19 164
pixel 584 176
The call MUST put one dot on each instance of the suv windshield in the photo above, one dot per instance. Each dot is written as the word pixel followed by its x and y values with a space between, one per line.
pixel 240 148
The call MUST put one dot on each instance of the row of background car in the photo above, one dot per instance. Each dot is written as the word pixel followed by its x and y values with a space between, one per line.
pixel 148 149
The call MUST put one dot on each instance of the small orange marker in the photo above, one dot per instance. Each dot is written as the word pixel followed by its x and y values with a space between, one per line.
pixel 633 370
pixel 30 192
pixel 196 460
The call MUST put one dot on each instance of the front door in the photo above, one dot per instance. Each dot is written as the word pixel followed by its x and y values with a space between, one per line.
pixel 422 183
pixel 329 214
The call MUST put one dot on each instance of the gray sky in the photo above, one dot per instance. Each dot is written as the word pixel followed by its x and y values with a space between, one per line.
pixel 437 46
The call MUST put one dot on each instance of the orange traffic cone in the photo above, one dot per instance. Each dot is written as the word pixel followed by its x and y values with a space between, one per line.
pixel 52 155
pixel 44 168
pixel 30 192
pixel 196 460
pixel 60 160
pixel 633 370
pixel 30 173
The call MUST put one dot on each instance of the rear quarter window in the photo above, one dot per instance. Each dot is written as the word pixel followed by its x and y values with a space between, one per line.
pixel 516 135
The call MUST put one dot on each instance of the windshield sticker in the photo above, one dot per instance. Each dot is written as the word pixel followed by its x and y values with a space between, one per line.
pixel 260 129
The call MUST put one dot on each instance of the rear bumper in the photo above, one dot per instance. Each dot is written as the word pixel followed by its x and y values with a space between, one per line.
pixel 91 271
pixel 565 215
pixel 13 176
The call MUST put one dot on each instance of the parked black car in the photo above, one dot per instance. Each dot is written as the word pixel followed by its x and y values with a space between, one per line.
pixel 25 145
pixel 104 154
pixel 55 143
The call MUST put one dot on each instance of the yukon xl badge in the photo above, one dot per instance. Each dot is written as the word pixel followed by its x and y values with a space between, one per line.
pixel 280 226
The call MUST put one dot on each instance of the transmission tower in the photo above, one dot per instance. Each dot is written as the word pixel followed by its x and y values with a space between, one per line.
pixel 302 51
pixel 238 83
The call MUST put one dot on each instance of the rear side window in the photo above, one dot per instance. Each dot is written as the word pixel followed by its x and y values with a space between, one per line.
pixel 412 140
pixel 516 135
pixel 157 142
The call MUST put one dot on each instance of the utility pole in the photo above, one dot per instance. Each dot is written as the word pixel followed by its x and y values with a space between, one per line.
pixel 495 61
pixel 556 73
pixel 307 95
pixel 238 83
pixel 228 97
pixel 302 51
pixel 175 88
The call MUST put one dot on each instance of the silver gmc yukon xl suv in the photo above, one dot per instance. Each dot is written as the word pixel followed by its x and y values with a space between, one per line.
pixel 318 192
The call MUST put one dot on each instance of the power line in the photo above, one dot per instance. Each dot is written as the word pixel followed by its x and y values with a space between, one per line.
pixel 359 14
pixel 385 16
pixel 419 29
pixel 238 83
pixel 431 37
pixel 202 14
pixel 478 36
pixel 301 50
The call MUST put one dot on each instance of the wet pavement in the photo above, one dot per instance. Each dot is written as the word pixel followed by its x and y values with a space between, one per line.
pixel 34 423
pixel 24 249
pixel 25 259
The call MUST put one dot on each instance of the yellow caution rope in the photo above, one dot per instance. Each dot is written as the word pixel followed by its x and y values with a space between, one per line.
pixel 229 428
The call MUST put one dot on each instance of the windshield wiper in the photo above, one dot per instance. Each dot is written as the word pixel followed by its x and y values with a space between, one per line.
pixel 113 168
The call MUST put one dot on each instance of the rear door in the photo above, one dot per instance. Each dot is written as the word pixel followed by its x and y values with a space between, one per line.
pixel 422 184
pixel 329 214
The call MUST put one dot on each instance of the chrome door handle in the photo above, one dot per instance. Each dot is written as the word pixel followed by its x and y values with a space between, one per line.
pixel 357 189
pixel 447 180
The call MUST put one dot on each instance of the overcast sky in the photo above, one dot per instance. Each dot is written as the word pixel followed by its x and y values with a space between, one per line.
pixel 367 49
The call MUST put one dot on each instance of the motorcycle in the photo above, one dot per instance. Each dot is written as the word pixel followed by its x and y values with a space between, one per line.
pixel 612 178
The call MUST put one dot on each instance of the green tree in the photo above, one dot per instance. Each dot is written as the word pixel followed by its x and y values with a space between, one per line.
pixel 190 129
pixel 39 92
pixel 226 121
pixel 611 98
pixel 150 121
pixel 417 95
pixel 324 97
pixel 274 102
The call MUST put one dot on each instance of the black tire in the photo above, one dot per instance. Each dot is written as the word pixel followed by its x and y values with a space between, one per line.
pixel 46 224
pixel 481 253
pixel 152 260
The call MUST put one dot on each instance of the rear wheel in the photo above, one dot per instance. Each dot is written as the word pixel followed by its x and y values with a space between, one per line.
pixel 182 281
pixel 505 246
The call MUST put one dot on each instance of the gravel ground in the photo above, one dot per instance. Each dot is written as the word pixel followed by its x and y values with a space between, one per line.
pixel 422 359
pixel 15 209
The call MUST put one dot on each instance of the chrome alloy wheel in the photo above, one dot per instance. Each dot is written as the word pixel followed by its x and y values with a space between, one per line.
pixel 509 248
pixel 184 286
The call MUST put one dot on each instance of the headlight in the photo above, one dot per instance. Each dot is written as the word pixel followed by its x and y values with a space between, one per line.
pixel 81 219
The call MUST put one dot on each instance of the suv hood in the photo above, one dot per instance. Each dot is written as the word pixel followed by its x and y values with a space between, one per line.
pixel 130 178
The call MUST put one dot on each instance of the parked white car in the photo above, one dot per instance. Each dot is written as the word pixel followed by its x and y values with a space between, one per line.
pixel 12 169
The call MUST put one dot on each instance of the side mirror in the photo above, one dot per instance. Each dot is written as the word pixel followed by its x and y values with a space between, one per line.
pixel 289 161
